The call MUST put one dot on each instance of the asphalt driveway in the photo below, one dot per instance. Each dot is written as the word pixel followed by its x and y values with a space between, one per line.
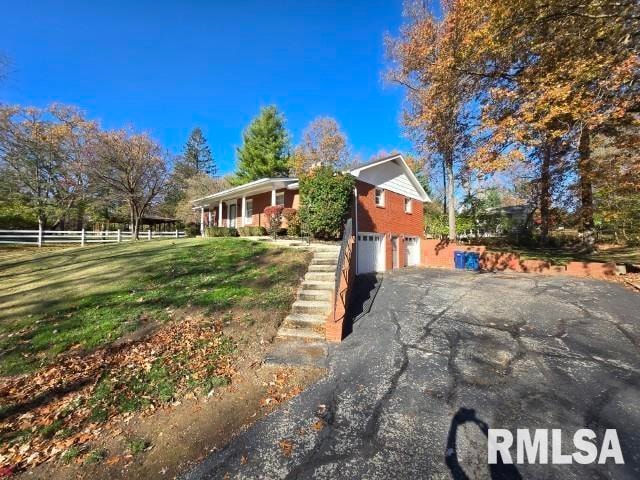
pixel 441 356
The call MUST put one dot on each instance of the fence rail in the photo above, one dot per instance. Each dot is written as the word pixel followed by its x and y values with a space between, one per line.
pixel 51 237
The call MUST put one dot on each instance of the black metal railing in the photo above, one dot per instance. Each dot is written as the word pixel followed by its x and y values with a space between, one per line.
pixel 344 246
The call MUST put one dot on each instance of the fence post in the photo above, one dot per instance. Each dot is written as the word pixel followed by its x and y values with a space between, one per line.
pixel 40 234
pixel 176 233
pixel 82 238
pixel 149 234
pixel 119 237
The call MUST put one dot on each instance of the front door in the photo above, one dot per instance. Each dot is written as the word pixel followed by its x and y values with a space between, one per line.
pixel 394 252
pixel 232 215
pixel 412 251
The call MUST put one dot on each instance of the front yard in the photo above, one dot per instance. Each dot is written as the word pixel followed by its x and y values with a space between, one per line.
pixel 92 337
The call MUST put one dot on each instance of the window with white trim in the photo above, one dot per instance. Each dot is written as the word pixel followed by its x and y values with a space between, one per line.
pixel 280 198
pixel 408 205
pixel 379 197
pixel 248 211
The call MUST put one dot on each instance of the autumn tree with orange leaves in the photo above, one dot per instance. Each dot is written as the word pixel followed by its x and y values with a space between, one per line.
pixel 428 59
pixel 43 159
pixel 133 168
pixel 519 81
pixel 552 73
pixel 323 144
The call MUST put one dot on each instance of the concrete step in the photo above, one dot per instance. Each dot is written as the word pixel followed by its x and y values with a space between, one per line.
pixel 300 333
pixel 324 276
pixel 311 306
pixel 292 351
pixel 325 248
pixel 324 261
pixel 318 285
pixel 321 268
pixel 327 253
pixel 304 320
pixel 309 294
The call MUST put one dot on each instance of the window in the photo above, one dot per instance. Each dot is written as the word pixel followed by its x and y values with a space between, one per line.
pixel 280 198
pixel 248 213
pixel 407 205
pixel 379 197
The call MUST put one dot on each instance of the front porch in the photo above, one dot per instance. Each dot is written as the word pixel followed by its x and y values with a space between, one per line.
pixel 243 206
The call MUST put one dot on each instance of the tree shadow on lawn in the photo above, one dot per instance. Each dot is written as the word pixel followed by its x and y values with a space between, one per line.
pixel 215 284
pixel 126 266
pixel 75 257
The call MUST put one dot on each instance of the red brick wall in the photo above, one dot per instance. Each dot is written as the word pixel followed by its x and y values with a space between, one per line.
pixel 388 219
pixel 262 201
pixel 439 253
pixel 334 324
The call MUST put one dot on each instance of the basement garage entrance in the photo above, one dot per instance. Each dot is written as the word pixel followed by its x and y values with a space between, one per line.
pixel 370 252
pixel 412 251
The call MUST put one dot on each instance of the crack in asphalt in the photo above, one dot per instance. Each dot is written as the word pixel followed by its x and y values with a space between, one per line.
pixel 478 356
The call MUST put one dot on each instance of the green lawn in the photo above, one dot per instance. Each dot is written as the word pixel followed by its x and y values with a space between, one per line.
pixel 83 298
pixel 558 256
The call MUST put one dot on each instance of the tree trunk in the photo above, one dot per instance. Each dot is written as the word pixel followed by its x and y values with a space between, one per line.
pixel 449 197
pixel 586 191
pixel 444 188
pixel 545 192
pixel 132 220
pixel 136 228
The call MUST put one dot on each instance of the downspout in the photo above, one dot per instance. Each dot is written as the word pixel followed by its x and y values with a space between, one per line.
pixel 355 231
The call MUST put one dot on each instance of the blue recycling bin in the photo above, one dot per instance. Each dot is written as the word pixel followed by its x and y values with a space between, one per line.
pixel 472 260
pixel 459 260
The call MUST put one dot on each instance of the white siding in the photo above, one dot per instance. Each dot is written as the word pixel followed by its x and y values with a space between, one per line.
pixel 390 176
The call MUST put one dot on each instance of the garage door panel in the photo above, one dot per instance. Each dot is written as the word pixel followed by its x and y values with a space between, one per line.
pixel 371 254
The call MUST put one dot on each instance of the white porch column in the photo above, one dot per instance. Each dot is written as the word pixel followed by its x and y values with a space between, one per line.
pixel 210 216
pixel 220 213
pixel 273 197
pixel 244 209
pixel 202 220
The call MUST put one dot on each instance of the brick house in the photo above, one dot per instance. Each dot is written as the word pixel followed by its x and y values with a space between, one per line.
pixel 387 213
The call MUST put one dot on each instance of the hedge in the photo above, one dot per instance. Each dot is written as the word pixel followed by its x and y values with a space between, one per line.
pixel 221 232
pixel 294 225
pixel 252 231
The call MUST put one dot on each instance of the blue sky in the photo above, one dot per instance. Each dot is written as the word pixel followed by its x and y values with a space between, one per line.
pixel 167 66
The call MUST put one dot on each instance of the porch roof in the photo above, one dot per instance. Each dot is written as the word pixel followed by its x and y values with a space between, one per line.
pixel 252 188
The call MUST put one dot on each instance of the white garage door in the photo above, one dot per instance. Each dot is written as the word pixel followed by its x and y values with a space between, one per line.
pixel 371 254
pixel 413 250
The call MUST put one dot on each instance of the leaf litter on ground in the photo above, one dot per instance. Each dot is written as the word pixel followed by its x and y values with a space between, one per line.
pixel 55 412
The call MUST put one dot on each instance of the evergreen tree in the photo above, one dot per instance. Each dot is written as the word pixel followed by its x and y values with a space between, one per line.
pixel 197 154
pixel 265 148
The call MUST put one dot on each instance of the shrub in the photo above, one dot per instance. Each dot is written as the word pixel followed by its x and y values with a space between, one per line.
pixel 274 218
pixel 252 231
pixel 294 225
pixel 326 198
pixel 221 232
pixel 191 230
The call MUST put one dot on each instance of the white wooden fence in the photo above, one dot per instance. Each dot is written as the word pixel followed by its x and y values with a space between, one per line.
pixel 51 237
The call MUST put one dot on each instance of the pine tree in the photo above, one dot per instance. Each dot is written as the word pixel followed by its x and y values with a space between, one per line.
pixel 265 148
pixel 198 155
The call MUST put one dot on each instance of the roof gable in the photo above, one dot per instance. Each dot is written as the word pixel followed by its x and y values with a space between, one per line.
pixel 392 173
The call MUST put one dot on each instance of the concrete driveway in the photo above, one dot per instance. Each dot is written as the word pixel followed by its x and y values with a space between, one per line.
pixel 441 356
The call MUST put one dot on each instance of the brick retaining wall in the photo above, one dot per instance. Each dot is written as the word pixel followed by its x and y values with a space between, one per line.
pixel 439 253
